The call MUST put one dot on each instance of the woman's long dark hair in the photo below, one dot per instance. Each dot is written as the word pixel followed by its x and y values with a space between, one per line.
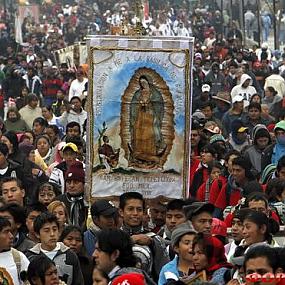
pixel 261 219
pixel 38 268
pixel 110 240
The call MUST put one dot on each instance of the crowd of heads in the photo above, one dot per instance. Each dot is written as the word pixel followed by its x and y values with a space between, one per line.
pixel 227 229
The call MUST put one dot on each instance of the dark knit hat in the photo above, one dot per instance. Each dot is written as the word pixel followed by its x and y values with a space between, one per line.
pixel 26 148
pixel 75 172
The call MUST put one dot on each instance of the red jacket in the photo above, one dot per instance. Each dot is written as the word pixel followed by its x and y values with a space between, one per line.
pixel 229 218
pixel 216 188
pixel 223 201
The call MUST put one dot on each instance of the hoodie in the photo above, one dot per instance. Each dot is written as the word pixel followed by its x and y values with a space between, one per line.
pixel 235 142
pixel 274 104
pixel 66 262
pixel 245 92
pixel 253 153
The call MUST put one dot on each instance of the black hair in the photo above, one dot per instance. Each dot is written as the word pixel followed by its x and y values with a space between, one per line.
pixel 103 273
pixel 4 149
pixel 254 95
pixel 12 137
pixel 261 219
pixel 128 196
pixel 53 187
pixel 32 97
pixel 38 268
pixel 16 211
pixel 281 163
pixel 110 240
pixel 274 188
pixel 72 125
pixel 272 90
pixel 4 222
pixel 54 128
pixel 75 97
pixel 214 164
pixel 40 121
pixel 244 163
pixel 281 254
pixel 253 189
pixel 233 63
pixel 176 204
pixel 69 229
pixel 78 141
pixel 48 107
pixel 263 251
pixel 43 137
pixel 256 196
pixel 230 153
pixel 209 148
pixel 44 218
pixel 11 179
pixel 206 104
pixel 38 207
pixel 26 137
pixel 254 105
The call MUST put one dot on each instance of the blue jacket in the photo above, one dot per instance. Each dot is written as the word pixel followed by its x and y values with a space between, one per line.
pixel 170 267
pixel 90 239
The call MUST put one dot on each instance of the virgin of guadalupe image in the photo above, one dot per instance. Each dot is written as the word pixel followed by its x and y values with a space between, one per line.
pixel 146 115
pixel 147 121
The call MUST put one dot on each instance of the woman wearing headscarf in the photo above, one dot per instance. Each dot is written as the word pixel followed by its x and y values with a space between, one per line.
pixel 209 255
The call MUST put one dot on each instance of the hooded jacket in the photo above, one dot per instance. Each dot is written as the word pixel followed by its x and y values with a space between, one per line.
pixel 253 153
pixel 274 151
pixel 66 262
pixel 235 142
pixel 240 90
pixel 275 105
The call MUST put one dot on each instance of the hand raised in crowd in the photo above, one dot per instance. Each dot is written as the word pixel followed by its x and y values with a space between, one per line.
pixel 141 239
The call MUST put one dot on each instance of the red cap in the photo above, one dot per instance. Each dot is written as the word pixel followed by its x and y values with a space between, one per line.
pixel 129 279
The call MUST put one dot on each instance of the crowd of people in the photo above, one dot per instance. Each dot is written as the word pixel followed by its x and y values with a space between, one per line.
pixel 224 232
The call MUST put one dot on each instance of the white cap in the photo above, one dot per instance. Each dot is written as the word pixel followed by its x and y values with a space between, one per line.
pixel 206 88
pixel 237 98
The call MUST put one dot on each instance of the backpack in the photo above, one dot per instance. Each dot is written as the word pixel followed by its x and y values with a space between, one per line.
pixel 17 259
pixel 144 257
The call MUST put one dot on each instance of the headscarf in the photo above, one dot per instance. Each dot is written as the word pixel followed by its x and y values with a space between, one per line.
pixel 215 252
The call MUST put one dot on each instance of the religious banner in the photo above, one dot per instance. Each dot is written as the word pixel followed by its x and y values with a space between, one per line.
pixel 66 55
pixel 140 115
pixel 31 11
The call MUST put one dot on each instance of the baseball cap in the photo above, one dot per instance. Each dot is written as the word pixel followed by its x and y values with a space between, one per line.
pixel 237 98
pixel 206 88
pixel 103 207
pixel 198 207
pixel 242 129
pixel 70 145
pixel 129 279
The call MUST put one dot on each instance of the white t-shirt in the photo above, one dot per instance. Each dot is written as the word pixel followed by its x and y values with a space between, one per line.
pixel 8 268
pixel 76 88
